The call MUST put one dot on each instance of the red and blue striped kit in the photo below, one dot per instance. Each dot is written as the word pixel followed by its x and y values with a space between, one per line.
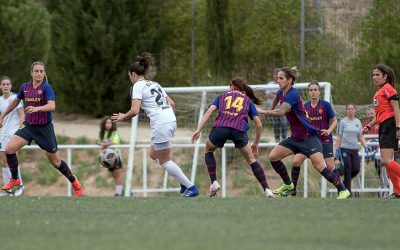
pixel 234 107
pixel 36 97
pixel 320 116
pixel 300 124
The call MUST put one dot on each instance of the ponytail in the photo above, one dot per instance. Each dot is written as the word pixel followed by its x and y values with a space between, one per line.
pixel 242 85
pixel 142 65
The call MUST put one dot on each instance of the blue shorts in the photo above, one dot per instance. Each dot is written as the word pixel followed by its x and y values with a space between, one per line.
pixel 220 135
pixel 43 135
pixel 307 147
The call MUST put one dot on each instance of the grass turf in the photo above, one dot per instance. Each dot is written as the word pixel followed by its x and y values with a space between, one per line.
pixel 201 223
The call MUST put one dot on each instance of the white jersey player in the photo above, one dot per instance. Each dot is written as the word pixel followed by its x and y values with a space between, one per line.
pixel 158 106
pixel 11 124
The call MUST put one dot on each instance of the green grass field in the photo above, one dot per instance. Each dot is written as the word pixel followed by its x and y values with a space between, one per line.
pixel 201 223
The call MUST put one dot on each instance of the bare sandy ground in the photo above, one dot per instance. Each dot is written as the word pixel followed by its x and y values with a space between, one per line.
pixel 80 126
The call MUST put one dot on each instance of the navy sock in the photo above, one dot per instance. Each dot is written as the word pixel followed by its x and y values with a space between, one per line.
pixel 281 170
pixel 332 178
pixel 64 169
pixel 295 175
pixel 211 166
pixel 259 174
pixel 12 162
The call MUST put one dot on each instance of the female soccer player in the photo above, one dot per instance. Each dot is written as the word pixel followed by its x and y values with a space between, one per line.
pixel 386 102
pixel 11 124
pixel 304 137
pixel 347 138
pixel 323 118
pixel 109 136
pixel 40 102
pixel 234 107
pixel 151 97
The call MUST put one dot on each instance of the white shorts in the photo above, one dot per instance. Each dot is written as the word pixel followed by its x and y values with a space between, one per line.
pixel 3 142
pixel 161 136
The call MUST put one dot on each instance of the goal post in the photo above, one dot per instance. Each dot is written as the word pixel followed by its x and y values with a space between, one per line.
pixel 204 95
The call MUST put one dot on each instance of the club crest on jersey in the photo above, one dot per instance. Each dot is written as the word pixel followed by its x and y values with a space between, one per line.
pixel 376 102
pixel 39 91
pixel 320 111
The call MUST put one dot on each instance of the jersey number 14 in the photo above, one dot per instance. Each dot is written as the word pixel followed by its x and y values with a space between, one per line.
pixel 237 103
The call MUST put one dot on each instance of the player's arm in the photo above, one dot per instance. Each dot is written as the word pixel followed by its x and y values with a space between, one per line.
pixel 281 111
pixel 203 121
pixel 368 127
pixel 134 111
pixel 171 102
pixel 254 145
pixel 49 107
pixel 21 114
pixel 274 103
pixel 333 123
pixel 361 139
pixel 10 108
pixel 395 105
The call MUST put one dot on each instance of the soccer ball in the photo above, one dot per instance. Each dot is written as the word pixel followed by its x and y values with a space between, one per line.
pixel 109 158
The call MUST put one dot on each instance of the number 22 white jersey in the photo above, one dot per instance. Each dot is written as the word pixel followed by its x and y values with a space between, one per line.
pixel 154 102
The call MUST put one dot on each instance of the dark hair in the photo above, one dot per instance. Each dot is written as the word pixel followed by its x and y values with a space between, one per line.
pixel 5 78
pixel 291 73
pixel 144 61
pixel 313 83
pixel 386 70
pixel 241 85
pixel 103 127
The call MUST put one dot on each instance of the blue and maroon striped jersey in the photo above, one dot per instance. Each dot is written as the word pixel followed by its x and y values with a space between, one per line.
pixel 320 116
pixel 234 107
pixel 36 97
pixel 299 122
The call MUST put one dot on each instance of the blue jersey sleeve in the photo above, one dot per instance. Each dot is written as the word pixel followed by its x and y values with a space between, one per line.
pixel 49 92
pixel 20 94
pixel 292 97
pixel 329 110
pixel 252 110
pixel 216 102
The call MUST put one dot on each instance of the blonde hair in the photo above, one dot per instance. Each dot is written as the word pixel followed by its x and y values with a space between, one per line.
pixel 291 73
pixel 40 63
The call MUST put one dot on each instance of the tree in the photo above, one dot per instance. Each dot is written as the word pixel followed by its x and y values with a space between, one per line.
pixel 93 45
pixel 25 29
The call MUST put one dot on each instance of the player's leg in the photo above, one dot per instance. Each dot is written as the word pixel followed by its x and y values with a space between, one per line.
pixel 5 170
pixel 393 170
pixel 117 175
pixel 62 166
pixel 257 169
pixel 280 151
pixel 355 164
pixel 295 173
pixel 346 158
pixel 16 142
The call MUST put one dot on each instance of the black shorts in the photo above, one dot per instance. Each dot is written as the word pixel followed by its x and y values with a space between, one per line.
pixel 220 135
pixel 43 135
pixel 307 147
pixel 327 150
pixel 119 165
pixel 387 134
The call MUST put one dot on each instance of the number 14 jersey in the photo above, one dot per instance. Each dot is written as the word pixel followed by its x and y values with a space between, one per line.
pixel 234 107
pixel 154 102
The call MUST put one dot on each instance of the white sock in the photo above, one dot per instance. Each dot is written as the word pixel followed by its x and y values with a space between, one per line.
pixel 6 175
pixel 118 189
pixel 177 173
pixel 19 175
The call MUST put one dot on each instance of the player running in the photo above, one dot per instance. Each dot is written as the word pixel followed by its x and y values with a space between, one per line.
pixel 304 137
pixel 39 100
pixel 322 117
pixel 151 97
pixel 234 107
